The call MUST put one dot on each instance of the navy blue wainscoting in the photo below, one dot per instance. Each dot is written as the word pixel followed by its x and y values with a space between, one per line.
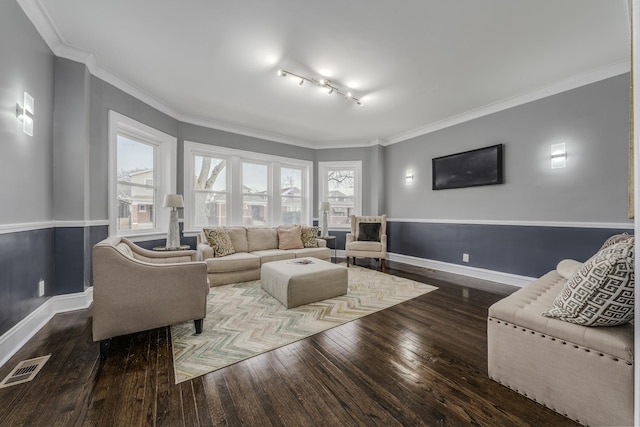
pixel 26 257
pixel 523 250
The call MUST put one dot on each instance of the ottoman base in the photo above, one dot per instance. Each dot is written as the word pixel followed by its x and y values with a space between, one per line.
pixel 294 284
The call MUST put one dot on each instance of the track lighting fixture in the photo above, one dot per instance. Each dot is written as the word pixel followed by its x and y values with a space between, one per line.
pixel 323 83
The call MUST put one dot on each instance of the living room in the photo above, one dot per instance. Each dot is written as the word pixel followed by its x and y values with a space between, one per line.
pixel 512 233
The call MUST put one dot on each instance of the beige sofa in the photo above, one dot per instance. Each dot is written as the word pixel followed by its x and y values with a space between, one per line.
pixel 253 247
pixel 135 289
pixel 582 372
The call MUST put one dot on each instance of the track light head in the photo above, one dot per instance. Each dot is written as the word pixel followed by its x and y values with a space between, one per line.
pixel 282 73
pixel 330 91
pixel 301 82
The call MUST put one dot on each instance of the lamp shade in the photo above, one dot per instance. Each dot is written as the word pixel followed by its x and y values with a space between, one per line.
pixel 173 201
pixel 324 206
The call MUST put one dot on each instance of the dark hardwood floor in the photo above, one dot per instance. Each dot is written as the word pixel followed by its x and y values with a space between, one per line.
pixel 422 362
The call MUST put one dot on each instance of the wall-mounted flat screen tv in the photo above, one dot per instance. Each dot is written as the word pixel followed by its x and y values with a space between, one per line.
pixel 469 169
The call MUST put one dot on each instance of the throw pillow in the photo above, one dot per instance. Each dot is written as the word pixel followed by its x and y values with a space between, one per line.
pixel 218 238
pixel 369 232
pixel 309 236
pixel 290 238
pixel 616 238
pixel 601 292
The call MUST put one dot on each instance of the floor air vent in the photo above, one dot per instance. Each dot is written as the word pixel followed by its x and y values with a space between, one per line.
pixel 24 371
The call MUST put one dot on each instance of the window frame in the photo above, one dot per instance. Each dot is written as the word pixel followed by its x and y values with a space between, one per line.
pixel 235 159
pixel 164 172
pixel 323 187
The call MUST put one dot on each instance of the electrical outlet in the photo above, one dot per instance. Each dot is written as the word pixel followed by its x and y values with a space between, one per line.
pixel 41 288
pixel 465 257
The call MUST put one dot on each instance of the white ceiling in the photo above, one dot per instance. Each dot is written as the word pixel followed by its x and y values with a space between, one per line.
pixel 418 65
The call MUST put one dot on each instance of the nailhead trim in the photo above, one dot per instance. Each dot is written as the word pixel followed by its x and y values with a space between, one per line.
pixel 576 346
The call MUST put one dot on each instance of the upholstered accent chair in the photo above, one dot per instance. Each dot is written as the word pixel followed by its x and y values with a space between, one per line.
pixel 368 238
pixel 135 289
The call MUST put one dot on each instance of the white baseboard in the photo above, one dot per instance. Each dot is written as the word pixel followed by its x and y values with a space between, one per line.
pixel 478 273
pixel 16 337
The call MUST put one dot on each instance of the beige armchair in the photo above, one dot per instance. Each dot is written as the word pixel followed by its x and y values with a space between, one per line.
pixel 368 238
pixel 135 289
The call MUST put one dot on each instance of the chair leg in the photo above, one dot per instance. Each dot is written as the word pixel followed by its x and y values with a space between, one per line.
pixel 105 346
pixel 198 324
pixel 347 261
pixel 382 264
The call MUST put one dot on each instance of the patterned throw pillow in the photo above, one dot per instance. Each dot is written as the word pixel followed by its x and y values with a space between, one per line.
pixel 616 238
pixel 309 236
pixel 218 238
pixel 601 293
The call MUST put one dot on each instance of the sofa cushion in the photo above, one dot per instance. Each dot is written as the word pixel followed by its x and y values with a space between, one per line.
pixel 262 238
pixel 616 238
pixel 219 239
pixel 234 262
pixel 309 236
pixel 369 232
pixel 289 238
pixel 124 249
pixel 269 255
pixel 321 253
pixel 524 308
pixel 601 292
pixel 238 237
pixel 365 246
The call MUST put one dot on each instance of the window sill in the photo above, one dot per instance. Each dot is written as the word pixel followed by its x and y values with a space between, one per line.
pixel 143 237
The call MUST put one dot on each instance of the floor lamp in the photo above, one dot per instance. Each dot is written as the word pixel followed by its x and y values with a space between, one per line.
pixel 173 201
pixel 324 208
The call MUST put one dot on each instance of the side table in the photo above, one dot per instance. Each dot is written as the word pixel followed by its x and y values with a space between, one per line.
pixel 179 248
pixel 334 249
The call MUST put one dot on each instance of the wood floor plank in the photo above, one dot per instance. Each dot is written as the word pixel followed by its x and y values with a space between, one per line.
pixel 422 362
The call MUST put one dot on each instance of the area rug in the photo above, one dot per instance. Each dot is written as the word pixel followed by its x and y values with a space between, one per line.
pixel 244 321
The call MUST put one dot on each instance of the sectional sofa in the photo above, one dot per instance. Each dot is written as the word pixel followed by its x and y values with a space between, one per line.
pixel 251 247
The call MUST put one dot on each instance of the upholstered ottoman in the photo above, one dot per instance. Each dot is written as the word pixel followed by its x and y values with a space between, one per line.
pixel 294 283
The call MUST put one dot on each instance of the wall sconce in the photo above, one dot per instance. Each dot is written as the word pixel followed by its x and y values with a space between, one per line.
pixel 24 113
pixel 558 156
pixel 408 177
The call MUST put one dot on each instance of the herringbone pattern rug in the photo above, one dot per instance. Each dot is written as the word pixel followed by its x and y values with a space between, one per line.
pixel 244 321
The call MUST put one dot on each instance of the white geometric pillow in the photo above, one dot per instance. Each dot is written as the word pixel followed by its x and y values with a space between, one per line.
pixel 601 293
pixel 616 238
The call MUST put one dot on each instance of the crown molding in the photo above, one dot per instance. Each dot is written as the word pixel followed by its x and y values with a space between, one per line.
pixel 37 14
pixel 574 82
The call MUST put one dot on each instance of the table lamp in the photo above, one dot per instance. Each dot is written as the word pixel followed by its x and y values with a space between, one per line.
pixel 173 201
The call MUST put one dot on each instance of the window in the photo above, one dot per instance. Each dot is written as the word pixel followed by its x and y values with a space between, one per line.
pixel 210 190
pixel 224 186
pixel 341 186
pixel 291 195
pixel 255 194
pixel 141 172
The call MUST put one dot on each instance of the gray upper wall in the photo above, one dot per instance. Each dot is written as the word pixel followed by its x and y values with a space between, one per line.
pixel 71 141
pixel 25 164
pixel 593 122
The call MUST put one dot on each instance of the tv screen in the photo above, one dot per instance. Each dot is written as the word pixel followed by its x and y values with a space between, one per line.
pixel 469 169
